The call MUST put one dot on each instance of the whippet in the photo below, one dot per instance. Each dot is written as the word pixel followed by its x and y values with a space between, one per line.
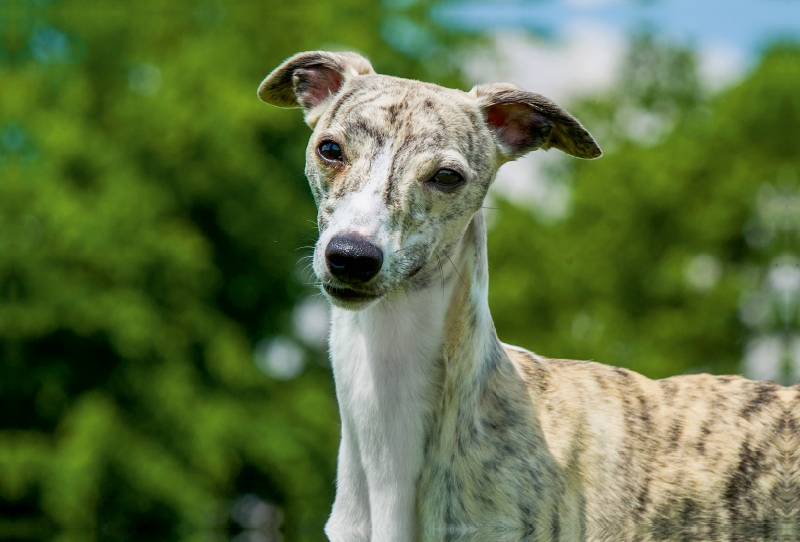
pixel 449 434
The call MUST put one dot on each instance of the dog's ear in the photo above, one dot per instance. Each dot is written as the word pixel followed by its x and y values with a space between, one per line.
pixel 524 121
pixel 309 80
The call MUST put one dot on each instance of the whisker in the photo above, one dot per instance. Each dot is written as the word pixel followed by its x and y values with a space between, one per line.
pixel 454 267
pixel 441 274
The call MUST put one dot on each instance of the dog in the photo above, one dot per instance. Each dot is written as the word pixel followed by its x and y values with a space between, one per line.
pixel 449 434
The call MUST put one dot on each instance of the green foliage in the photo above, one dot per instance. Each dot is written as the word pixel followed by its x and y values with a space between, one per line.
pixel 151 209
pixel 650 268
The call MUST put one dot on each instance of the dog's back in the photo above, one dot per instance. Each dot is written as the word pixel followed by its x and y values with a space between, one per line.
pixel 694 457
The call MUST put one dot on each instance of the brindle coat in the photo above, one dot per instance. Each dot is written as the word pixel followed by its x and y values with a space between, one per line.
pixel 447 433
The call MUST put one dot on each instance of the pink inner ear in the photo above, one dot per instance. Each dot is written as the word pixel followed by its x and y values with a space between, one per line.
pixel 519 126
pixel 314 85
pixel 505 119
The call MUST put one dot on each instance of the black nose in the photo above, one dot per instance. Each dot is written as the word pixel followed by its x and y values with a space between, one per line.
pixel 353 258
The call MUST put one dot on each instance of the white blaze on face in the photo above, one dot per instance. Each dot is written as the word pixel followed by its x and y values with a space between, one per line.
pixel 364 212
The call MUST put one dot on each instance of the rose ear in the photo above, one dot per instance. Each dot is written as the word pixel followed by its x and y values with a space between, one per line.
pixel 308 80
pixel 524 121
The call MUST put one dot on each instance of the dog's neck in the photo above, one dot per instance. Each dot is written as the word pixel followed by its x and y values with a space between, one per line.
pixel 393 363
pixel 469 328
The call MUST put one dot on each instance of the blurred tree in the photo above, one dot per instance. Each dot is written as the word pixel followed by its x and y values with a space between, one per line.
pixel 664 242
pixel 150 212
pixel 151 209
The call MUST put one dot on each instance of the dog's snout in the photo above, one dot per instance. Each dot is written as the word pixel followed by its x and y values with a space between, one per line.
pixel 352 258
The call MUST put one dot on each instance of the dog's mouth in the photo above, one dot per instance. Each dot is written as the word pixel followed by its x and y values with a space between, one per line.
pixel 341 293
pixel 348 297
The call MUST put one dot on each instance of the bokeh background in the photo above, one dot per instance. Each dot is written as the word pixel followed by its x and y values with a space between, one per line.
pixel 163 373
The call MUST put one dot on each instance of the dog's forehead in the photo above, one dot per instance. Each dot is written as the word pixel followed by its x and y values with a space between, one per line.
pixel 389 106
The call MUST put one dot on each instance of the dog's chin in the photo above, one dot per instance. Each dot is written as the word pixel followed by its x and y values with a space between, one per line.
pixel 348 298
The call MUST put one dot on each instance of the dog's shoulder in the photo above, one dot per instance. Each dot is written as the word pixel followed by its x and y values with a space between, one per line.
pixel 545 374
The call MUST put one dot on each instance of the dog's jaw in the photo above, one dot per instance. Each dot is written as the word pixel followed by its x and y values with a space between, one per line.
pixel 349 299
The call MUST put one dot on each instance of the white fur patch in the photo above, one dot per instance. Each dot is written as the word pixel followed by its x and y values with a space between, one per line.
pixel 364 212
pixel 384 359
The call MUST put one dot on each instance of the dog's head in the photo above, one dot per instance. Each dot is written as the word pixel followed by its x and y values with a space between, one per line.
pixel 399 167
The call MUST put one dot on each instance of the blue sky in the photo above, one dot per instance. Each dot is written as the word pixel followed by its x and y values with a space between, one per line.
pixel 743 25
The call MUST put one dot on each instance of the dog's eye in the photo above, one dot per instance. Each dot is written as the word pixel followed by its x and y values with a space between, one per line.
pixel 447 178
pixel 330 151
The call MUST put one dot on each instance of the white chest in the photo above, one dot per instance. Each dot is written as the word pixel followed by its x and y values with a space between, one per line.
pixel 386 362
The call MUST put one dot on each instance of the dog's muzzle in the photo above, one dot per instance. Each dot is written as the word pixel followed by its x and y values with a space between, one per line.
pixel 353 259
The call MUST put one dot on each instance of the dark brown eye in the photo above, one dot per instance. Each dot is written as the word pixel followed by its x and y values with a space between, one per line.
pixel 330 151
pixel 447 178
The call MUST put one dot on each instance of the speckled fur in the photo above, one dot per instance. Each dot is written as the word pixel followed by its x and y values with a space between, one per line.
pixel 449 434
